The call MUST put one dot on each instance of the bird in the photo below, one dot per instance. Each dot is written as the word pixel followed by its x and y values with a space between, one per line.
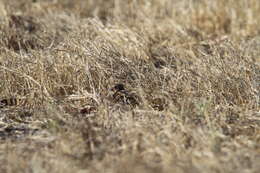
pixel 124 96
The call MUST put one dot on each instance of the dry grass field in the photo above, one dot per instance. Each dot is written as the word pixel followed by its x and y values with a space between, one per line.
pixel 129 86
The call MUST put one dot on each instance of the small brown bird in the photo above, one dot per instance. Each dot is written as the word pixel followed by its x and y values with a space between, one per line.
pixel 123 96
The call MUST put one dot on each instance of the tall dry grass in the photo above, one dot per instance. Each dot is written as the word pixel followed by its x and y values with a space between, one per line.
pixel 190 76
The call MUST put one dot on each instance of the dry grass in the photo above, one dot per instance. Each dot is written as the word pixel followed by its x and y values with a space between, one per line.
pixel 129 86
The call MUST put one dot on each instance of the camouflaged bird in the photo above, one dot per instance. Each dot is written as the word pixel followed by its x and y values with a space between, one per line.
pixel 123 96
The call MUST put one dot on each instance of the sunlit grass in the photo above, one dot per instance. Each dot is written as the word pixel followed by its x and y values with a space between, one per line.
pixel 129 86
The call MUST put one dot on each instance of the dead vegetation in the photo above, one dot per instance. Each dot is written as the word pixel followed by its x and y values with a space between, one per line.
pixel 129 86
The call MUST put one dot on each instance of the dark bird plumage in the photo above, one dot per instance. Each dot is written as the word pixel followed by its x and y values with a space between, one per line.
pixel 121 95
